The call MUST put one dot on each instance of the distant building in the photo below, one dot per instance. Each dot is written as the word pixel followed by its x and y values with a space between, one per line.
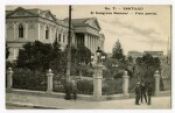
pixel 158 54
pixel 136 54
pixel 27 25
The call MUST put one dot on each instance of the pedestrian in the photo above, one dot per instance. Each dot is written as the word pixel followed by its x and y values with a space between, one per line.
pixel 68 90
pixel 149 92
pixel 74 88
pixel 137 93
pixel 143 92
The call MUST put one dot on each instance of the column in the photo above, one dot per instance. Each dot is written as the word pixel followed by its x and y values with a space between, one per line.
pixel 90 43
pixel 15 34
pixel 49 81
pixel 93 44
pixel 26 30
pixel 39 29
pixel 96 43
pixel 125 84
pixel 157 82
pixel 9 79
pixel 86 40
pixel 97 82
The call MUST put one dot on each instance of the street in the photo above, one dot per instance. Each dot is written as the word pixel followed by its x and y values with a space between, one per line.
pixel 18 101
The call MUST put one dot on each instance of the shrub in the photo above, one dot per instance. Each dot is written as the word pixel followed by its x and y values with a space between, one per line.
pixel 27 79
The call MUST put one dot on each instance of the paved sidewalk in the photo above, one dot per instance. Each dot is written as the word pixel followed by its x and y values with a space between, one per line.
pixel 37 101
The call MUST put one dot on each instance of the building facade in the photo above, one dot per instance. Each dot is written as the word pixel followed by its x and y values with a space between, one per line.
pixel 28 25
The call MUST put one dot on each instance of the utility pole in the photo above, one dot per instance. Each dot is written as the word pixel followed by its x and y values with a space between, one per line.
pixel 69 47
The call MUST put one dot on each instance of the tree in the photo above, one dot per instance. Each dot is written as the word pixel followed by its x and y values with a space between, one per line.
pixel 83 55
pixel 130 59
pixel 80 55
pixel 117 51
pixel 37 55
pixel 56 48
pixel 148 60
pixel 146 66
pixel 58 62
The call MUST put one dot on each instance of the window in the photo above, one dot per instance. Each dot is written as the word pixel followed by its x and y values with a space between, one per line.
pixel 59 37
pixel 47 33
pixel 21 31
pixel 63 38
pixel 56 35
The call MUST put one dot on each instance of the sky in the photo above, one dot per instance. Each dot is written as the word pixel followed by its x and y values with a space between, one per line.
pixel 135 32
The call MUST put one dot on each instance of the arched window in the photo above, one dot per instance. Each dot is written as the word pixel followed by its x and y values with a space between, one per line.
pixel 56 34
pixel 47 33
pixel 21 31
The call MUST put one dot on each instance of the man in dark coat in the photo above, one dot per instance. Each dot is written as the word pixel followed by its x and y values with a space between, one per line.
pixel 149 92
pixel 143 92
pixel 74 88
pixel 68 90
pixel 137 93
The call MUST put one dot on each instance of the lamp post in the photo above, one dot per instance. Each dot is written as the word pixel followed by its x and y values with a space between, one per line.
pixel 68 69
pixel 69 47
pixel 98 58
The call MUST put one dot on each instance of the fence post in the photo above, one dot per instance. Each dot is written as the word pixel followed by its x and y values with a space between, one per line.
pixel 157 82
pixel 49 81
pixel 9 78
pixel 97 82
pixel 125 85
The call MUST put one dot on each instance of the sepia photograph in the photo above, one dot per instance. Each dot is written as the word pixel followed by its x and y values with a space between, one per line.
pixel 88 56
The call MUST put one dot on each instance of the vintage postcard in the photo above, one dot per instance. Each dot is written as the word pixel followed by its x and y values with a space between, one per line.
pixel 88 56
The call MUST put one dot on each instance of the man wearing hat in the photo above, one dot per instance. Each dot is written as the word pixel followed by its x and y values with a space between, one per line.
pixel 149 92
pixel 137 93
pixel 143 92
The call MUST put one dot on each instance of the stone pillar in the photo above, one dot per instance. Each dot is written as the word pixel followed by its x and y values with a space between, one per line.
pixel 9 78
pixel 157 82
pixel 97 82
pixel 125 84
pixel 80 73
pixel 49 81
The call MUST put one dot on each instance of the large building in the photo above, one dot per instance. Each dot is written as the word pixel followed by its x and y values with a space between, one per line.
pixel 27 25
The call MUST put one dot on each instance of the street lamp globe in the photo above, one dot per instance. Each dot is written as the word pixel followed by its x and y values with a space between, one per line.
pixel 98 52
